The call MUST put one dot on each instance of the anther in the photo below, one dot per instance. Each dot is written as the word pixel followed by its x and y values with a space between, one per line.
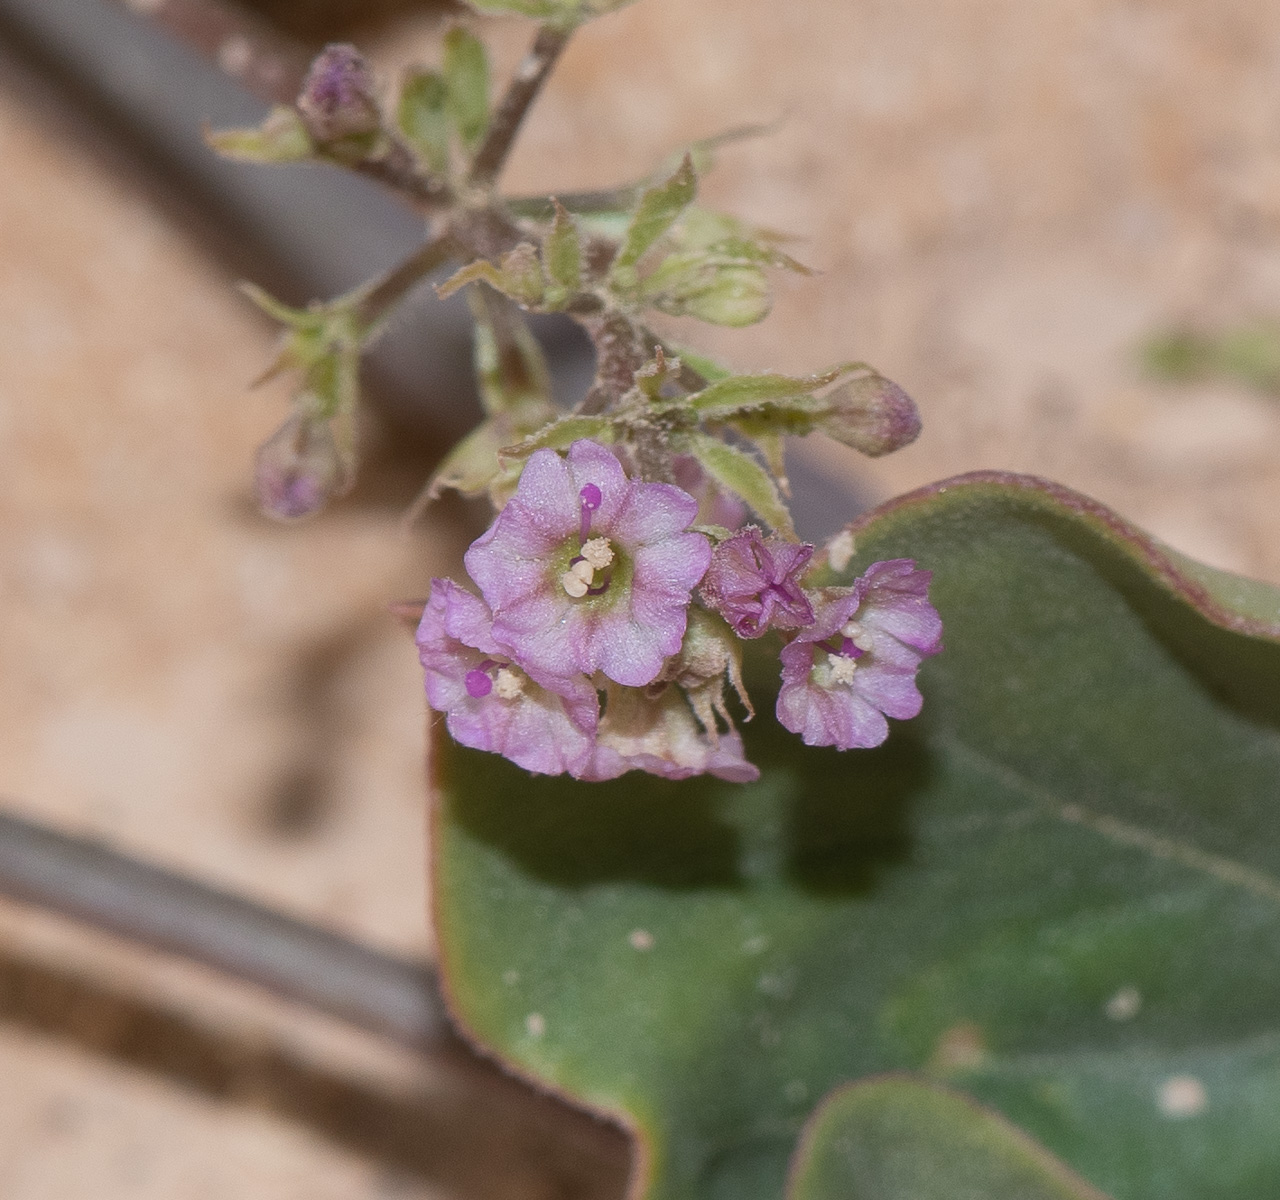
pixel 509 684
pixel 574 584
pixel 842 668
pixel 598 552
pixel 858 634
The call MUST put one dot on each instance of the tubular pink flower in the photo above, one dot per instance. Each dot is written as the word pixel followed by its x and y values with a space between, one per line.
pixel 857 663
pixel 586 570
pixel 753 582
pixel 660 735
pixel 546 725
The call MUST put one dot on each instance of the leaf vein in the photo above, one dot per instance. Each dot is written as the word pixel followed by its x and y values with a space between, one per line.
pixel 1158 845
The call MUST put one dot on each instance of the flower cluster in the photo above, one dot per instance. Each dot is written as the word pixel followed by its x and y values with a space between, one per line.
pixel 592 582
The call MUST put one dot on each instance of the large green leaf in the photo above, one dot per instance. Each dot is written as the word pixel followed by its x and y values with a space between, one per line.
pixel 1057 890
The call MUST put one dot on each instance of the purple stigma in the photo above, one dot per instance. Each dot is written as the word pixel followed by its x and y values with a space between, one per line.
pixel 478 683
pixel 591 500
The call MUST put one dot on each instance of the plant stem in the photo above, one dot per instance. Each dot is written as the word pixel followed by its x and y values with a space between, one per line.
pixel 404 277
pixel 82 879
pixel 397 170
pixel 523 90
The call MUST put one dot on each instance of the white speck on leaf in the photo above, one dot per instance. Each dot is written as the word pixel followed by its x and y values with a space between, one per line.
pixel 535 1025
pixel 640 939
pixel 1182 1096
pixel 1125 1004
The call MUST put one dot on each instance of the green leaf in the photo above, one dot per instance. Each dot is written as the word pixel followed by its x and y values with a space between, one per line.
pixel 901 1139
pixel 657 211
pixel 739 473
pixel 744 393
pixel 562 252
pixel 708 368
pixel 423 117
pixel 519 276
pixel 561 434
pixel 466 77
pixel 1058 889
pixel 282 137
pixel 719 233
pixel 735 295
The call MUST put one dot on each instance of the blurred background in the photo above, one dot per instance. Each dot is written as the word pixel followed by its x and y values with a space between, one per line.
pixel 1009 206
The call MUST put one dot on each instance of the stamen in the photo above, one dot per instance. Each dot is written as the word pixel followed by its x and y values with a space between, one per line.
pixel 478 683
pixel 858 634
pixel 577 580
pixel 574 584
pixel 509 684
pixel 591 499
pixel 598 552
pixel 842 669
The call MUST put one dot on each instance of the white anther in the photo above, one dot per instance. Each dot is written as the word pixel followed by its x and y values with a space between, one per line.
pixel 508 684
pixel 842 668
pixel 584 571
pixel 858 634
pixel 598 553
pixel 574 584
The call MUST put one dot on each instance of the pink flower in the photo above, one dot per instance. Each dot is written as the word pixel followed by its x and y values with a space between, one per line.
pixel 857 663
pixel 491 703
pixel 753 582
pixel 661 736
pixel 586 570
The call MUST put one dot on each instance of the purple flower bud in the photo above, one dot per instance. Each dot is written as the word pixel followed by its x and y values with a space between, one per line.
pixel 338 99
pixel 299 469
pixel 753 582
pixel 857 663
pixel 871 414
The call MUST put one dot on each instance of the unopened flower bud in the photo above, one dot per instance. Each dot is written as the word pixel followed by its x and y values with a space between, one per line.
pixel 299 469
pixel 871 414
pixel 338 100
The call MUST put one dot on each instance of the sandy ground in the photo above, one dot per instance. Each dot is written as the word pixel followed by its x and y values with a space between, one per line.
pixel 1003 199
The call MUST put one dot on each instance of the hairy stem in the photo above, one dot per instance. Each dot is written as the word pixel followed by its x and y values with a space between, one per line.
pixel 525 86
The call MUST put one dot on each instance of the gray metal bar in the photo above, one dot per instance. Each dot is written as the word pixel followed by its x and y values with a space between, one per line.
pixel 101 887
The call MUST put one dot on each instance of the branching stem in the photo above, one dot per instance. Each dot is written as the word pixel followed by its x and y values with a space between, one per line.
pixel 523 90
pixel 403 278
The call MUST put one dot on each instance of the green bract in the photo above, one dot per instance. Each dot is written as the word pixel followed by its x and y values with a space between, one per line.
pixel 1058 891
